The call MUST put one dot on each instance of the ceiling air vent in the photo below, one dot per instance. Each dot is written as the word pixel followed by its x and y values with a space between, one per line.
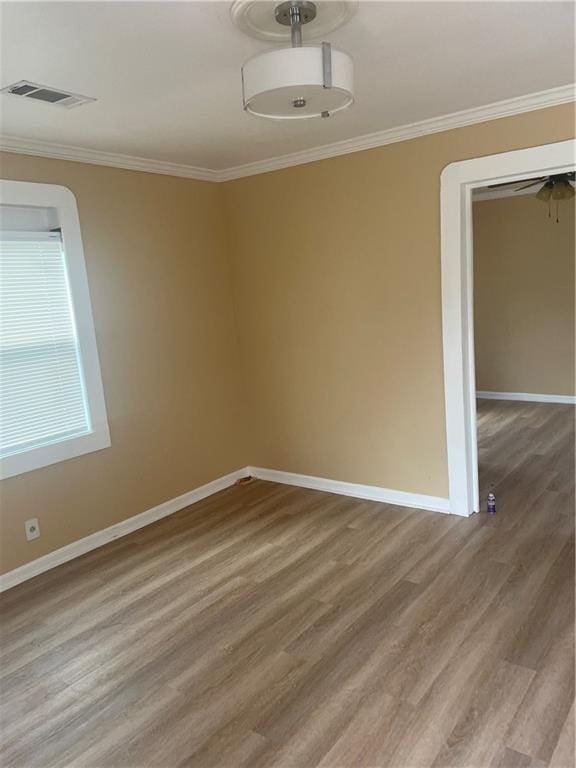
pixel 28 90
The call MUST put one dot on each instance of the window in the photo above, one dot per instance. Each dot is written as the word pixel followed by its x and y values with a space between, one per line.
pixel 51 400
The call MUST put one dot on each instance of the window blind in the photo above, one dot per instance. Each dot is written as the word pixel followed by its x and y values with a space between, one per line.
pixel 42 397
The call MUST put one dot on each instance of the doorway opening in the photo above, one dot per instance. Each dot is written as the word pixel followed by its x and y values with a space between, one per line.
pixel 458 183
pixel 524 345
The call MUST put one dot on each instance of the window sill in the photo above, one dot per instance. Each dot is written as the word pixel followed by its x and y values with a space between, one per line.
pixel 20 463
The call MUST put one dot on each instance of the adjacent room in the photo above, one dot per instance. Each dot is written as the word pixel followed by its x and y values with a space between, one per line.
pixel 287 384
pixel 524 254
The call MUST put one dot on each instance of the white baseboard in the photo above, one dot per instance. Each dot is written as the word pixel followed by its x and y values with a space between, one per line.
pixel 98 539
pixel 370 492
pixel 528 397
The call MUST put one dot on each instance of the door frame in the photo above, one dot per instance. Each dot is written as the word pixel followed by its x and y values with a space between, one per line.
pixel 457 182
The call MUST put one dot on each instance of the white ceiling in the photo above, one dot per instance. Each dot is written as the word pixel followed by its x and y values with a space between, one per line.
pixel 167 74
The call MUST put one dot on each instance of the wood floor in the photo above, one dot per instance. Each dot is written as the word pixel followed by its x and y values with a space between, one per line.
pixel 274 626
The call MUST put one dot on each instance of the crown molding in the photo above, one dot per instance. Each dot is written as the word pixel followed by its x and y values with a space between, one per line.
pixel 515 106
pixel 533 101
pixel 96 157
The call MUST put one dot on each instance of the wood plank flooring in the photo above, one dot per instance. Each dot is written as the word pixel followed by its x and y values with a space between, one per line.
pixel 271 626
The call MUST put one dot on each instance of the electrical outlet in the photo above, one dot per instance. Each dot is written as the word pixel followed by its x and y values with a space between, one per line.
pixel 32 528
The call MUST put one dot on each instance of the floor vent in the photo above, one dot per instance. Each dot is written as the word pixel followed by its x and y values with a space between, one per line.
pixel 28 90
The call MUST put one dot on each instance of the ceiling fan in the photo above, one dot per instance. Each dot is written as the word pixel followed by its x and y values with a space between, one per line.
pixel 558 186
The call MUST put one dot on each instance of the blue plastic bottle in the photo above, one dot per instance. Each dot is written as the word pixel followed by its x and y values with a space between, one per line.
pixel 491 505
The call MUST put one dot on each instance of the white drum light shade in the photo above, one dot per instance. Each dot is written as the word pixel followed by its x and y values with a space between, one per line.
pixel 296 83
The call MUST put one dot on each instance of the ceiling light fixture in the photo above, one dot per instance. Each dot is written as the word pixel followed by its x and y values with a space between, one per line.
pixel 558 186
pixel 298 82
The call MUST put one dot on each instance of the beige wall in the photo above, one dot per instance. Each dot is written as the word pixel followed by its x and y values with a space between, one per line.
pixel 337 284
pixel 337 360
pixel 160 285
pixel 524 296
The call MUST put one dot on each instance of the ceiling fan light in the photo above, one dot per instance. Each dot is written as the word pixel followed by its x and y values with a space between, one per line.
pixel 545 193
pixel 298 83
pixel 562 190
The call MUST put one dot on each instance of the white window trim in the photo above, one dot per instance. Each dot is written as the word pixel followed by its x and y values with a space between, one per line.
pixel 53 196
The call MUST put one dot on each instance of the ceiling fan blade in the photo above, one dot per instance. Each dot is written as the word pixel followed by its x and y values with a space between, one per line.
pixel 511 183
pixel 532 184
